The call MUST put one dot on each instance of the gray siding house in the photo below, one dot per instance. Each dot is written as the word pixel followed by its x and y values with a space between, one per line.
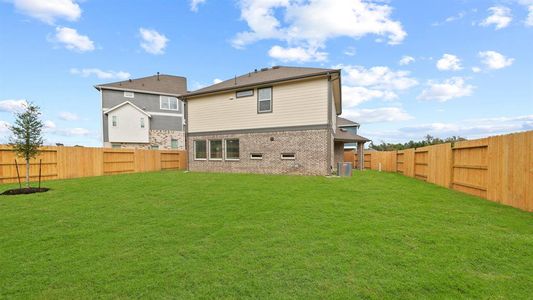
pixel 144 113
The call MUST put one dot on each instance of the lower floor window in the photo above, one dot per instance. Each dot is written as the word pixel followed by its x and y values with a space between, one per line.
pixel 256 155
pixel 174 144
pixel 215 149
pixel 288 156
pixel 154 147
pixel 232 149
pixel 200 149
pixel 115 146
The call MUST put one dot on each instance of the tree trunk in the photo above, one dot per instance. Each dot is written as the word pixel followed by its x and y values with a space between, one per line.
pixel 27 173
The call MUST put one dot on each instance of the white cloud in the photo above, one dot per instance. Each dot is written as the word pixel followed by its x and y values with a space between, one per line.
pixel 476 69
pixel 297 54
pixel 11 105
pixel 72 40
pixel 500 17
pixel 405 60
pixel 153 42
pixel 361 84
pixel 472 128
pixel 68 116
pixel 529 21
pixel 217 80
pixel 350 51
pixel 355 95
pixel 309 24
pixel 377 115
pixel 449 62
pixel 195 4
pixel 49 10
pixel 49 124
pixel 380 77
pixel 4 127
pixel 120 75
pixel 68 132
pixel 494 60
pixel 454 87
pixel 450 19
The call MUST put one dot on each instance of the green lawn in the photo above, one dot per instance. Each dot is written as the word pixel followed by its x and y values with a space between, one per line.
pixel 194 235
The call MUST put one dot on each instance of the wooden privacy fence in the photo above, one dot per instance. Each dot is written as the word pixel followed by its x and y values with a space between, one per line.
pixel 74 162
pixel 498 168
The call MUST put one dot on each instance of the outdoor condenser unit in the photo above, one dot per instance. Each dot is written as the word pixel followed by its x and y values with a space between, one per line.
pixel 344 169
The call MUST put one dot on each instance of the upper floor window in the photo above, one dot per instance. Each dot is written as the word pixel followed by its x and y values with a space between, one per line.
pixel 129 95
pixel 245 93
pixel 142 122
pixel 168 103
pixel 264 100
pixel 115 121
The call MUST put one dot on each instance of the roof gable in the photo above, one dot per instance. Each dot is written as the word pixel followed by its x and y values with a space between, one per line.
pixel 164 84
pixel 127 103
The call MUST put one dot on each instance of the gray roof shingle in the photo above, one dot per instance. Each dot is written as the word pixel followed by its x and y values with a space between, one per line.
pixel 166 84
pixel 263 76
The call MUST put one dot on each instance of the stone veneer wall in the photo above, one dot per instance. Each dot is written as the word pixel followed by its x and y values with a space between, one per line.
pixel 310 147
pixel 162 138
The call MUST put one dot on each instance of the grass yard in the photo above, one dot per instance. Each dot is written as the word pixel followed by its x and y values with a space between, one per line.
pixel 194 235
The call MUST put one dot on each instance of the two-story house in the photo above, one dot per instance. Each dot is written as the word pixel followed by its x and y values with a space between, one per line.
pixel 144 113
pixel 276 120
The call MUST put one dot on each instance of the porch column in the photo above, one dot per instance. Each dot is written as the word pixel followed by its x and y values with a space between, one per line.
pixel 361 155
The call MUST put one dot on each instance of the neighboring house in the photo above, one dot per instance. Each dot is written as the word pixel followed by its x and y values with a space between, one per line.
pixel 144 113
pixel 349 126
pixel 277 120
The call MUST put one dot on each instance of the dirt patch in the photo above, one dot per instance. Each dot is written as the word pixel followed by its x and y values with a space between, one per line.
pixel 25 191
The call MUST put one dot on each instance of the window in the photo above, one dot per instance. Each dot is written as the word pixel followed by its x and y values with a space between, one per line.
pixel 246 93
pixel 215 149
pixel 154 147
pixel 115 121
pixel 168 103
pixel 129 95
pixel 256 155
pixel 174 144
pixel 288 156
pixel 200 150
pixel 264 100
pixel 232 149
pixel 115 146
pixel 142 122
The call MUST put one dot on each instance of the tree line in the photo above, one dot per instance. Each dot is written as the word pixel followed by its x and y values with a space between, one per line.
pixel 427 141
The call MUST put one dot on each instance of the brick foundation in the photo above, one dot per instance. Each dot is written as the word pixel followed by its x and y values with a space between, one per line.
pixel 310 147
pixel 162 138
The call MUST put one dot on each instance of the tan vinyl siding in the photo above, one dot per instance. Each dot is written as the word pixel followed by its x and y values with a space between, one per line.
pixel 294 104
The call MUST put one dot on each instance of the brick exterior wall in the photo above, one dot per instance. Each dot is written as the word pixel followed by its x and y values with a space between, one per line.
pixel 338 155
pixel 310 147
pixel 162 138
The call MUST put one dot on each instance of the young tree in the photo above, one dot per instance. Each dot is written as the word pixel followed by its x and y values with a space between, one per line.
pixel 27 135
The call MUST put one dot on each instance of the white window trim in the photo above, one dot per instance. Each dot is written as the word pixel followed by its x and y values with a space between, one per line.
pixel 167 97
pixel 129 95
pixel 143 123
pixel 206 150
pixel 288 158
pixel 114 121
pixel 226 151
pixel 209 148
pixel 256 158
pixel 244 91
pixel 259 111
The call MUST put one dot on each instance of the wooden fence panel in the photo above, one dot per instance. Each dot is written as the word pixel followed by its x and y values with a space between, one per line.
pixel 421 164
pixel 75 162
pixel 498 168
pixel 470 165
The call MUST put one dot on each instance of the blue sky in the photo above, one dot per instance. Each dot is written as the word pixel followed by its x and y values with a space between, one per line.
pixel 411 68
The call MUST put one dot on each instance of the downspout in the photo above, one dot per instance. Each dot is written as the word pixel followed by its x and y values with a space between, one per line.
pixel 186 131
pixel 330 124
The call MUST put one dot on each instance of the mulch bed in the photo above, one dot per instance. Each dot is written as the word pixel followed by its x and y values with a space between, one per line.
pixel 22 191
